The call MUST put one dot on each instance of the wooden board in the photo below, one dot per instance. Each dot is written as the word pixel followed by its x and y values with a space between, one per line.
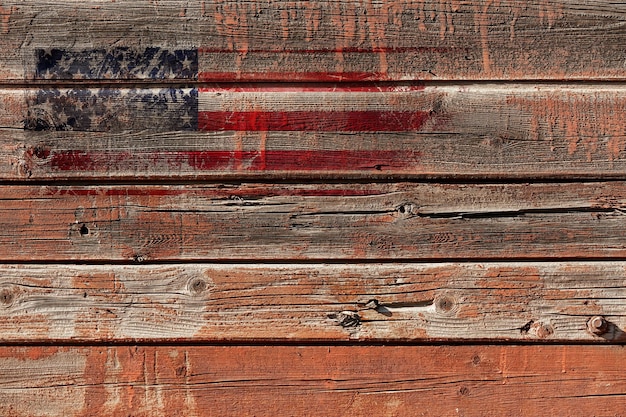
pixel 316 221
pixel 202 213
pixel 388 303
pixel 277 131
pixel 321 40
pixel 311 380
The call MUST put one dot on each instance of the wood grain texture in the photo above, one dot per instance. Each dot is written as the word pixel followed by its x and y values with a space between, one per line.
pixel 315 221
pixel 277 131
pixel 123 299
pixel 312 40
pixel 357 380
pixel 495 302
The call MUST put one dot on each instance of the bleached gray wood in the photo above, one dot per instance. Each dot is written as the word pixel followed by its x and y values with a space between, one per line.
pixel 449 302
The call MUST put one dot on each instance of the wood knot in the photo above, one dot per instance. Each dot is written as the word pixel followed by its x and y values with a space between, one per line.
pixel 598 325
pixel 445 304
pixel 544 331
pixel 24 169
pixel 6 297
pixel 407 209
pixel 82 230
pixel 197 286
pixel 476 360
pixel 181 370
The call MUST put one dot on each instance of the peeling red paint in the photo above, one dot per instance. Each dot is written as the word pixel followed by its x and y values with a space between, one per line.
pixel 73 161
pixel 305 160
pixel 313 121
pixel 87 161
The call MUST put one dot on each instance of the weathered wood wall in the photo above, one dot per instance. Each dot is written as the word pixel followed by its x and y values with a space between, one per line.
pixel 228 207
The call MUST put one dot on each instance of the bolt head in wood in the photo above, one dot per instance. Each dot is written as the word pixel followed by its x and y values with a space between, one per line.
pixel 598 325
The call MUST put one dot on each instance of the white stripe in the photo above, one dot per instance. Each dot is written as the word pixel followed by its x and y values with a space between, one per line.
pixel 314 101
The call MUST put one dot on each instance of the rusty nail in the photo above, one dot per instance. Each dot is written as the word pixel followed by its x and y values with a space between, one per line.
pixel 598 325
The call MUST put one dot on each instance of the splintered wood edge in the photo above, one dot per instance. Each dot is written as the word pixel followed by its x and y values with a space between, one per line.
pixel 450 302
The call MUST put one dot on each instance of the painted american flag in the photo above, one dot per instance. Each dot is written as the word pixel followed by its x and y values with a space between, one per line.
pixel 182 102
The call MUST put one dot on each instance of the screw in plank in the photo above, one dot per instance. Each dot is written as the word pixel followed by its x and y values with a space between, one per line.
pixel 598 325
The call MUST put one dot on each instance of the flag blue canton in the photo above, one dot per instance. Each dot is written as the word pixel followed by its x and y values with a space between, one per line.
pixel 116 63
pixel 113 109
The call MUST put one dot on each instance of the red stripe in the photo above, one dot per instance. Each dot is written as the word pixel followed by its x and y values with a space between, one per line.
pixel 293 76
pixel 234 161
pixel 303 160
pixel 312 88
pixel 314 121
pixel 74 161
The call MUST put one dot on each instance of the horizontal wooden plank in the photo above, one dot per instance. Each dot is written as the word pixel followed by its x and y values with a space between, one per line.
pixel 281 380
pixel 361 302
pixel 312 221
pixel 314 130
pixel 321 40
